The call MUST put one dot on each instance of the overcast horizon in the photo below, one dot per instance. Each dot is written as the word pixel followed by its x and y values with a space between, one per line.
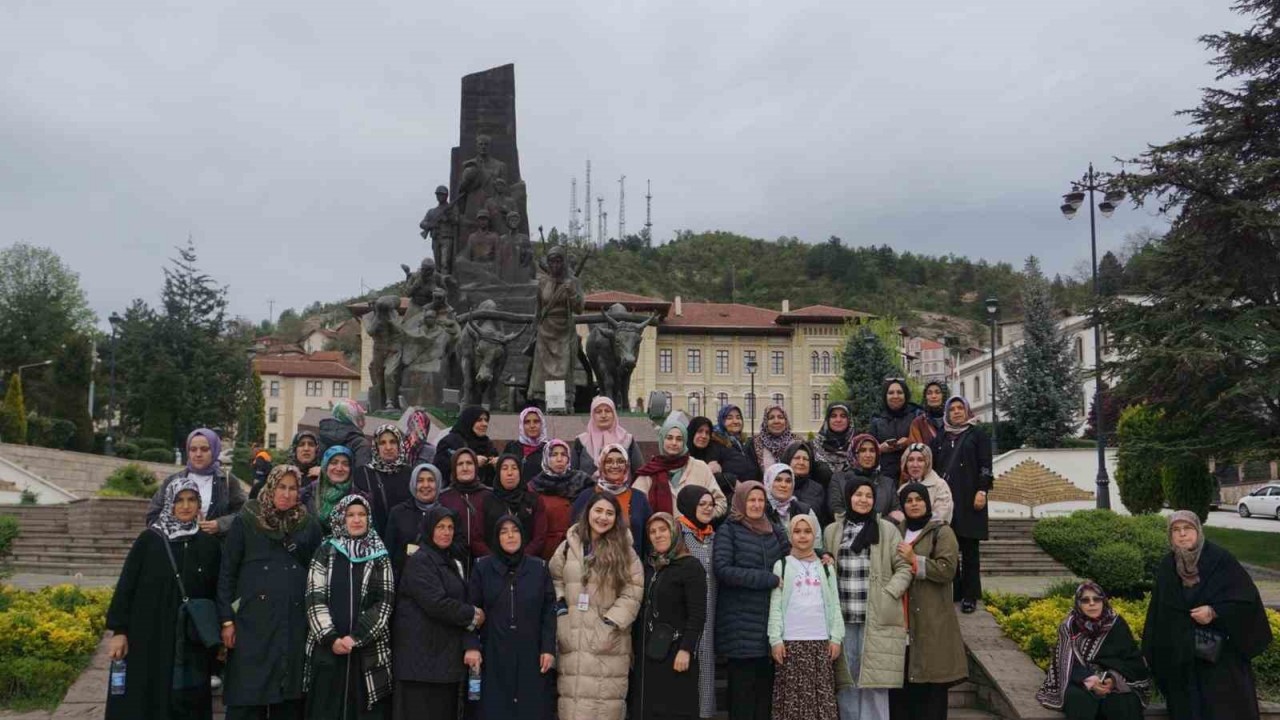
pixel 299 146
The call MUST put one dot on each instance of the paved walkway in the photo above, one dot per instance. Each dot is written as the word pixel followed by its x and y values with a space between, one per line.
pixel 35 581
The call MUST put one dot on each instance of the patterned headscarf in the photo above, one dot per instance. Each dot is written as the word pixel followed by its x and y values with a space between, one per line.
pixel 594 439
pixel 168 524
pixel 350 411
pixel 272 522
pixel 677 550
pixel 970 419
pixel 215 449
pixel 418 434
pixel 1086 628
pixel 775 444
pixel 857 442
pixel 1187 562
pixel 1080 638
pixel 527 444
pixel 606 486
pixel 330 493
pixel 925 452
pixel 402 457
pixel 357 549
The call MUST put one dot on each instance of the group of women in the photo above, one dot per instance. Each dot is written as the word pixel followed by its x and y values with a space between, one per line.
pixel 581 581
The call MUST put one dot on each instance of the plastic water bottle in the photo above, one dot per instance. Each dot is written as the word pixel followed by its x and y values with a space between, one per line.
pixel 117 677
pixel 473 685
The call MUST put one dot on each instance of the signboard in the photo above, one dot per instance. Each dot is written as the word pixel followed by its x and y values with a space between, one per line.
pixel 554 390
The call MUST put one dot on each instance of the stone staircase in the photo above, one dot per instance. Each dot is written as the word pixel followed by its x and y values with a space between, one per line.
pixel 1031 483
pixel 1011 550
pixel 89 537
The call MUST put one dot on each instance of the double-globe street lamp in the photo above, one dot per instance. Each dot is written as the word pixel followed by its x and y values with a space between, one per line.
pixel 1093 183
pixel 751 370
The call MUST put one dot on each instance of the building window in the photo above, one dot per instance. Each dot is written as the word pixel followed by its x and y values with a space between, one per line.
pixel 271 441
pixel 667 396
pixel 315 388
pixel 963 394
pixel 273 414
pixel 817 406
pixel 778 362
pixel 693 362
pixel 275 388
pixel 695 404
pixel 341 388
pixel 826 363
pixel 748 358
pixel 1079 343
pixel 722 401
pixel 977 388
pixel 779 400
pixel 813 362
pixel 1084 404
pixel 722 362
pixel 664 360
pixel 751 409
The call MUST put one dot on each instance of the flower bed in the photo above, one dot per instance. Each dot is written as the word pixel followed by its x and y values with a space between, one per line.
pixel 46 640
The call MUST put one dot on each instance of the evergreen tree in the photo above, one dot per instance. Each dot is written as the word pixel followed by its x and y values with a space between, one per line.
pixel 1110 275
pixel 1040 381
pixel 69 391
pixel 1205 346
pixel 867 362
pixel 13 413
pixel 253 422
pixel 1110 416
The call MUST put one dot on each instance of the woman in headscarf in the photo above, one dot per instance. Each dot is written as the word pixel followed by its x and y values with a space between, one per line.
pixel 729 432
pixel 873 577
pixel 892 425
pixel 385 480
pixel 468 498
pixel 673 468
pixel 404 529
pixel 599 583
pixel 511 496
pixel 926 426
pixel 432 626
pixel 864 463
pixel 470 432
pixel 963 452
pixel 1204 625
pixel 168 675
pixel 917 467
pixel 746 548
pixel 322 496
pixel 417 438
pixel 221 495
pixel 780 484
pixel 614 479
pixel 671 622
pixel 346 428
pixel 703 446
pixel 350 596
pixel 697 509
pixel 262 583
pixel 556 488
pixel 518 643
pixel 603 429
pixel 304 454
pixel 832 443
pixel 1096 670
pixel 774 438
pixel 811 478
pixel 528 447
pixel 805 629
pixel 936 658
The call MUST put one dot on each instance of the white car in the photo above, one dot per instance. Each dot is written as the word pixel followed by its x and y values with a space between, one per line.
pixel 1263 502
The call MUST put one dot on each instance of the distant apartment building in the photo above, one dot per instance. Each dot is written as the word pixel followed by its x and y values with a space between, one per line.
pixel 293 381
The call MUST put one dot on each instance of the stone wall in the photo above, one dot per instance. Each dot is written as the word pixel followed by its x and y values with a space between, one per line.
pixel 81 474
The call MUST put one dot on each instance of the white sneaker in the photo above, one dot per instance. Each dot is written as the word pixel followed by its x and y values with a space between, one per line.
pixel 215 682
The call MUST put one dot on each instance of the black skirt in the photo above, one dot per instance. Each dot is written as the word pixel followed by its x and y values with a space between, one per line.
pixel 426 700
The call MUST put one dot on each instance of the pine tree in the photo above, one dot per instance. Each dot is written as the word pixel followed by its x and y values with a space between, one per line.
pixel 867 362
pixel 1110 275
pixel 13 413
pixel 1040 380
pixel 1205 345
pixel 1110 416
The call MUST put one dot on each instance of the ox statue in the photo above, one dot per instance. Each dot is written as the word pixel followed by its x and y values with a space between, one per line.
pixel 612 347
pixel 482 354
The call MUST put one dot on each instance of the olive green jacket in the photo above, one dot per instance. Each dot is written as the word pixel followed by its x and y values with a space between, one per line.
pixel 937 649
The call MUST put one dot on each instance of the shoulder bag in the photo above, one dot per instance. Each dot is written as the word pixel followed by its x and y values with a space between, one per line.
pixel 200 615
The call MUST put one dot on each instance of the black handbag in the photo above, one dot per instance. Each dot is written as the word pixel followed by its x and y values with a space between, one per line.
pixel 659 637
pixel 199 615
pixel 1208 644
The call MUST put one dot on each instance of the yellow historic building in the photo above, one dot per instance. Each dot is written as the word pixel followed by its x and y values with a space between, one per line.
pixel 293 381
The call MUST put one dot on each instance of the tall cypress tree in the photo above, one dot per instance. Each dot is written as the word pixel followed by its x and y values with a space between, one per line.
pixel 1040 379
pixel 867 362
pixel 1205 346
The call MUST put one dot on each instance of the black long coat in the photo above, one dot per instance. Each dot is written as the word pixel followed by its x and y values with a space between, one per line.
pixel 145 609
pixel 677 596
pixel 890 426
pixel 969 473
pixel 431 620
pixel 384 490
pixel 519 625
pixel 269 579
pixel 1168 640
pixel 404 527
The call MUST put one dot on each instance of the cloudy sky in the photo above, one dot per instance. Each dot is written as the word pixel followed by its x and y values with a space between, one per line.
pixel 299 142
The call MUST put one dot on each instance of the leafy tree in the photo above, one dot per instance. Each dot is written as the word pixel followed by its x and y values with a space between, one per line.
pixel 289 326
pixel 867 362
pixel 1138 472
pixel 13 413
pixel 72 372
pixel 1041 380
pixel 1110 416
pixel 1110 275
pixel 1204 347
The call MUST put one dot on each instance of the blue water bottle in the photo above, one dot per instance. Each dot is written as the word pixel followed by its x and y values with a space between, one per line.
pixel 117 677
pixel 473 685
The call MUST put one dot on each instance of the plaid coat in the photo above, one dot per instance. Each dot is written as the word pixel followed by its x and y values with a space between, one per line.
pixel 373 629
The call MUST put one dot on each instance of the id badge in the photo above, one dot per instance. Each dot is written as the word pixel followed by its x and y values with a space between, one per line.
pixel 584 601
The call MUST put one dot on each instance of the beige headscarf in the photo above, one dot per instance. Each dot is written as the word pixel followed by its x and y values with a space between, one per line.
pixel 1187 562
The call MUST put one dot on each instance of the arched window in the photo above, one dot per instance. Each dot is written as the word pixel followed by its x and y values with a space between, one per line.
pixel 1079 346
pixel 750 409
pixel 963 394
pixel 722 399
pixel 977 389
pixel 826 363
pixel 813 362
pixel 817 406
pixel 695 404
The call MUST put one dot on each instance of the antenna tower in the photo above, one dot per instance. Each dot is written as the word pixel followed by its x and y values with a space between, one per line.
pixel 622 207
pixel 600 216
pixel 587 217
pixel 573 210
pixel 648 212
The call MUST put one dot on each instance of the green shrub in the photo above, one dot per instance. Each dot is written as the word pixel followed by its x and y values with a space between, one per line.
pixel 28 497
pixel 127 450
pixel 46 640
pixel 13 413
pixel 1137 467
pixel 1062 588
pixel 8 531
pixel 27 682
pixel 1119 552
pixel 157 455
pixel 1188 484
pixel 130 480
pixel 148 443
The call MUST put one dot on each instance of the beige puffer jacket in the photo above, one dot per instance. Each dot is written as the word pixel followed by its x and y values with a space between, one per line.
pixel 593 657
pixel 695 473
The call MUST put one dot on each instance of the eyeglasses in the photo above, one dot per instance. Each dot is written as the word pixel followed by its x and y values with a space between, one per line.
pixel 1090 600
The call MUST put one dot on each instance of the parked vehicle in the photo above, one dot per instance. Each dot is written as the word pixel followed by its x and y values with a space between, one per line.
pixel 1264 502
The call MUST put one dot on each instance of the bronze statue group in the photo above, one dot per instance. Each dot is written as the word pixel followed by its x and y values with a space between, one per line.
pixel 574 578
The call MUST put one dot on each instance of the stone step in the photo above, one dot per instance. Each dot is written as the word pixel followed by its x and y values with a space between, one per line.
pixel 95 569
pixel 72 556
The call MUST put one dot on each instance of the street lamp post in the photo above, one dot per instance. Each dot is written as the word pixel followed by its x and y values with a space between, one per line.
pixel 1094 183
pixel 42 363
pixel 751 370
pixel 993 308
pixel 108 444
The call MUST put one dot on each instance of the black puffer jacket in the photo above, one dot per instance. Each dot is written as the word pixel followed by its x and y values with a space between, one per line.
pixel 743 563
pixel 338 432
pixel 892 425
pixel 431 620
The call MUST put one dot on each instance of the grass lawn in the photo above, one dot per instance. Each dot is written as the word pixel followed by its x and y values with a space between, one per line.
pixel 1249 546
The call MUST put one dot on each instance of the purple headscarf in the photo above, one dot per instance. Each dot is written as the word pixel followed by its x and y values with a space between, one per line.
pixel 215 447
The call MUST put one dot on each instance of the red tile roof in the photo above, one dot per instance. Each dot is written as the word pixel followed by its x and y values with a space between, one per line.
pixel 926 344
pixel 821 314
pixel 306 367
pixel 614 296
pixel 709 317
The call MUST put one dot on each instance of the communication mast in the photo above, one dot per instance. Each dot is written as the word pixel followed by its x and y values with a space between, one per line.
pixel 648 212
pixel 587 216
pixel 573 210
pixel 622 208
pixel 600 216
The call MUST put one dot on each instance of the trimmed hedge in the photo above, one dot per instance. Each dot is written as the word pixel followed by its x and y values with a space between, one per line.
pixel 1119 552
pixel 147 443
pixel 1188 484
pixel 46 640
pixel 157 455
pixel 1137 468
